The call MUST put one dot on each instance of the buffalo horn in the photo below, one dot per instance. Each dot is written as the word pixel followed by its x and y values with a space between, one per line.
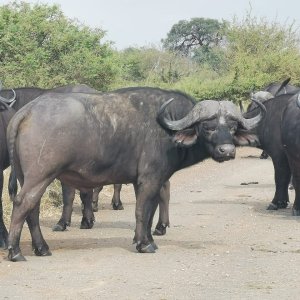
pixel 249 124
pixel 198 113
pixel 9 100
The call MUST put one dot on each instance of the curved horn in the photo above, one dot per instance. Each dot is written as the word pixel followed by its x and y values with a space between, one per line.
pixel 283 85
pixel 198 113
pixel 9 100
pixel 249 124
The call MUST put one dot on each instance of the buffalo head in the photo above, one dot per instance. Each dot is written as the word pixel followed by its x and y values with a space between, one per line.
pixel 218 124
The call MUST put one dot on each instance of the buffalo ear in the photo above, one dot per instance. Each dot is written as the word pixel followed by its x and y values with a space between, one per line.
pixel 185 137
pixel 245 138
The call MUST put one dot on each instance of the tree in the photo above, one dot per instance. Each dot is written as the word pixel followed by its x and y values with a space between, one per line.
pixel 187 36
pixel 151 66
pixel 41 47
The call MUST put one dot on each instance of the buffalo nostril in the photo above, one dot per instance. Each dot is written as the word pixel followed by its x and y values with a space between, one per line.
pixel 221 149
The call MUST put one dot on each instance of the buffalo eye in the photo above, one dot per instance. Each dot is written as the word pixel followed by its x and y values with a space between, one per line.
pixel 208 130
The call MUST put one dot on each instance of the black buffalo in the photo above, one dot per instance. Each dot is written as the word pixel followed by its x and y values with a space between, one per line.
pixel 6 114
pixel 290 129
pixel 19 97
pixel 268 137
pixel 136 135
pixel 11 101
pixel 270 91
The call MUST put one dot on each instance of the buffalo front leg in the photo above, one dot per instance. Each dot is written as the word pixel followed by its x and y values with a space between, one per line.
pixel 116 199
pixel 145 196
pixel 282 179
pixel 163 220
pixel 26 205
pixel 68 194
pixel 88 218
pixel 3 230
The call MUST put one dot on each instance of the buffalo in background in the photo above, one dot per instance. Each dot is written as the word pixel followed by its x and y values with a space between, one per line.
pixel 290 129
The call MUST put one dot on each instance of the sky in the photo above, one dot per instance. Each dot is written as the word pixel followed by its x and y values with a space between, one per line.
pixel 145 22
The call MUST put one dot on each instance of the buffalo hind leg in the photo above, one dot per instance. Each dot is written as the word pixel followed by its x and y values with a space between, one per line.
pixel 282 179
pixel 116 199
pixel 68 194
pixel 3 230
pixel 26 205
pixel 39 245
pixel 96 193
pixel 163 220
pixel 88 218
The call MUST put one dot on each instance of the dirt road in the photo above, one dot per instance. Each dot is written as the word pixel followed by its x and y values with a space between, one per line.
pixel 222 244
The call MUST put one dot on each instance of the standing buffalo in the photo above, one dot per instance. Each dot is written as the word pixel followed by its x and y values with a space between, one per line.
pixel 6 114
pixel 11 101
pixel 270 91
pixel 268 138
pixel 136 135
pixel 290 129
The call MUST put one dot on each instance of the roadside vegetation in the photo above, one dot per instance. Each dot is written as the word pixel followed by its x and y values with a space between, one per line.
pixel 206 58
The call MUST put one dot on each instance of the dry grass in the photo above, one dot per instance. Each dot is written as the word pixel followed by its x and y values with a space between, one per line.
pixel 51 201
pixel 51 204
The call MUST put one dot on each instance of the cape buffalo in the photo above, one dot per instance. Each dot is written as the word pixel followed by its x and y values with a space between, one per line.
pixel 136 135
pixel 270 91
pixel 22 96
pixel 12 100
pixel 268 137
pixel 290 128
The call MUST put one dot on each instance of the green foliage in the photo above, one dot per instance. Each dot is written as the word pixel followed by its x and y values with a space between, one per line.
pixel 151 66
pixel 260 52
pixel 255 54
pixel 187 36
pixel 41 47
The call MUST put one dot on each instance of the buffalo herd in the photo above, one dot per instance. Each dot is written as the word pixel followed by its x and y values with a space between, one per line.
pixel 139 135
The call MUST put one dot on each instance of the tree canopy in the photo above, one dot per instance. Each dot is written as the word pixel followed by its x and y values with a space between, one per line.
pixel 186 36
pixel 41 47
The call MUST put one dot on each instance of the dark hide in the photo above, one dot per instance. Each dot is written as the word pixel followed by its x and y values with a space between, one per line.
pixel 268 138
pixel 290 128
pixel 278 89
pixel 6 114
pixel 125 144
pixel 23 97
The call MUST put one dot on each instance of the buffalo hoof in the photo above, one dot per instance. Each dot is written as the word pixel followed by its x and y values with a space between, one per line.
pixel 15 257
pixel 160 229
pixel 86 224
pixel 272 206
pixel 95 208
pixel 42 251
pixel 59 227
pixel 154 245
pixel 279 205
pixel 296 212
pixel 145 248
pixel 264 155
pixel 117 206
